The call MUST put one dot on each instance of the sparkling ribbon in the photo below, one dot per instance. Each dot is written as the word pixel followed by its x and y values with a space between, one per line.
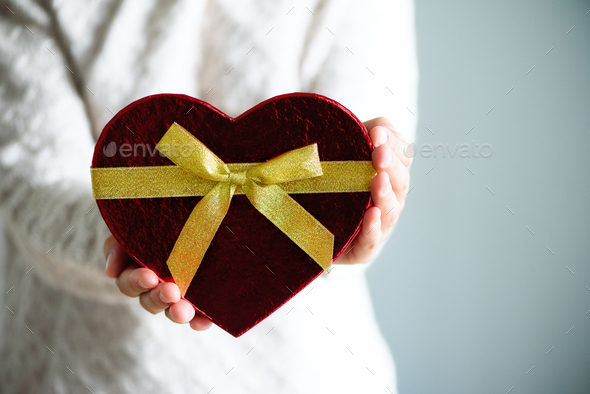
pixel 203 173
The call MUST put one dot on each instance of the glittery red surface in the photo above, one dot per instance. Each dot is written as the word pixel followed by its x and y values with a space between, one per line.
pixel 251 268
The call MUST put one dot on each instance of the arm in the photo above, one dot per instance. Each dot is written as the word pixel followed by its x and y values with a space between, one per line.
pixel 45 150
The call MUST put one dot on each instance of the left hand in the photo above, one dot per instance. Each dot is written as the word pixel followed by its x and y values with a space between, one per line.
pixel 388 192
pixel 155 297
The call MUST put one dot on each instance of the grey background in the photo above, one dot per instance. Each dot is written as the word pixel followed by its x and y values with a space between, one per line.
pixel 467 297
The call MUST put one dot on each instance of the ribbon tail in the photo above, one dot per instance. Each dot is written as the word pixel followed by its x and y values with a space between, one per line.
pixel 197 234
pixel 294 221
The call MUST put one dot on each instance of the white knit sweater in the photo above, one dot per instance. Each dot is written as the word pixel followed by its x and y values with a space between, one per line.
pixel 66 67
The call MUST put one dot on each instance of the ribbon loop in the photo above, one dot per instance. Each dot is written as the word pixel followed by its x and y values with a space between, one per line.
pixel 294 165
pixel 191 154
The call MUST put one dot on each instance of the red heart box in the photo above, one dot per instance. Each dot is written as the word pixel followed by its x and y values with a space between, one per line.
pixel 251 268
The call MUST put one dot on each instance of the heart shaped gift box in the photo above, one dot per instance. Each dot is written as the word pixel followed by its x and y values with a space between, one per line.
pixel 193 195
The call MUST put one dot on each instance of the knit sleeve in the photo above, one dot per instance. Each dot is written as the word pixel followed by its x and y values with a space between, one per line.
pixel 364 56
pixel 46 147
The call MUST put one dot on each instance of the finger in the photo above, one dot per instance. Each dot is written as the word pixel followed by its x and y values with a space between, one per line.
pixel 383 122
pixel 160 297
pixel 401 148
pixel 181 312
pixel 134 281
pixel 381 135
pixel 385 161
pixel 384 199
pixel 365 244
pixel 380 121
pixel 200 323
pixel 116 257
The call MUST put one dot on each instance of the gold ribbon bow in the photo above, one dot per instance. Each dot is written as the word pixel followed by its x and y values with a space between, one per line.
pixel 203 173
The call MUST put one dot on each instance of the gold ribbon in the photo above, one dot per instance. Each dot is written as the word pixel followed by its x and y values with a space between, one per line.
pixel 202 173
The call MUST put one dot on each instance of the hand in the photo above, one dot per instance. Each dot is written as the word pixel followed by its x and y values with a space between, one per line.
pixel 388 191
pixel 155 297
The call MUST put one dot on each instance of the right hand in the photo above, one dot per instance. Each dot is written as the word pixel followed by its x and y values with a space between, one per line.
pixel 154 297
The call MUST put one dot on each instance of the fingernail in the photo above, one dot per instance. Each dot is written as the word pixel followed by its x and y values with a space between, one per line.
pixel 164 299
pixel 110 258
pixel 393 143
pixel 387 158
pixel 142 285
pixel 380 138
